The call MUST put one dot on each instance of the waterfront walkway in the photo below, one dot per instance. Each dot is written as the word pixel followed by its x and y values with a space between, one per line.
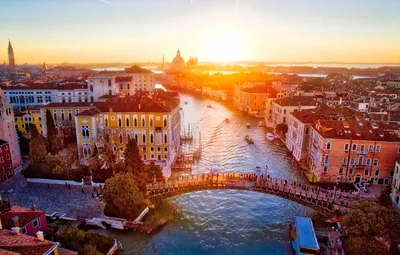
pixel 324 201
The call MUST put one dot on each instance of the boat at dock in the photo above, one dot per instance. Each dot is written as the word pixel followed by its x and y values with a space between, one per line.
pixel 304 240
pixel 248 139
pixel 227 120
pixel 248 125
pixel 209 106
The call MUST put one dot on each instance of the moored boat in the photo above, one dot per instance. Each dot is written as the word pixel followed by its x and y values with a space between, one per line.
pixel 248 139
pixel 215 168
pixel 227 120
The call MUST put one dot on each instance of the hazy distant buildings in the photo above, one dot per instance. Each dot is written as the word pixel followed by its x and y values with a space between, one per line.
pixel 178 63
pixel 11 59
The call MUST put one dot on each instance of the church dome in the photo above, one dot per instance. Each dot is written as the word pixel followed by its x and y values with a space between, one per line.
pixel 178 58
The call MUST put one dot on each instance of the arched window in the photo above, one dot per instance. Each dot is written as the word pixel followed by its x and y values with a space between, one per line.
pixel 127 122
pixel 91 88
pixel 136 137
pixel 91 99
pixel 119 122
pixel 143 123
pixel 122 87
pixel 109 92
pixel 165 122
pixel 120 138
pixel 151 138
pixel 327 159
pixel 128 136
pixel 135 122
pixel 144 138
pixel 151 123
pixel 328 146
pixel 165 138
pixel 106 122
pixel 360 160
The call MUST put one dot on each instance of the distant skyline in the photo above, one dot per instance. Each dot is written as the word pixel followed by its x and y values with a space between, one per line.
pixel 105 31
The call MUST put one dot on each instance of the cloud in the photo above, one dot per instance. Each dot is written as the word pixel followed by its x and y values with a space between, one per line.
pixel 105 1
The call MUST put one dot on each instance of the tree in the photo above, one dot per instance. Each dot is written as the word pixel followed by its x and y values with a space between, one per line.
pixel 369 228
pixel 123 198
pixel 89 250
pixel 23 143
pixel 384 198
pixel 53 144
pixel 37 147
pixel 135 165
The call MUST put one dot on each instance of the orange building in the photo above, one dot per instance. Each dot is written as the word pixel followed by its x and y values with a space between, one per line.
pixel 352 151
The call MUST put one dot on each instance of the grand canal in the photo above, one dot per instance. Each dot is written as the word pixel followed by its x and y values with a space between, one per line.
pixel 226 221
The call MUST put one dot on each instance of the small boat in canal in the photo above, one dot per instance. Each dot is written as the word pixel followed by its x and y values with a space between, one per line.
pixel 270 136
pixel 215 168
pixel 227 120
pixel 209 106
pixel 248 139
pixel 248 125
pixel 186 102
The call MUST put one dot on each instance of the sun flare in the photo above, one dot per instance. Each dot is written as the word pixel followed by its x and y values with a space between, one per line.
pixel 224 45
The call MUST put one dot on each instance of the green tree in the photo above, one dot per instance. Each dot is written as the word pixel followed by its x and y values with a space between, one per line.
pixel 53 144
pixel 135 165
pixel 384 198
pixel 369 226
pixel 37 147
pixel 123 198
pixel 89 250
pixel 23 143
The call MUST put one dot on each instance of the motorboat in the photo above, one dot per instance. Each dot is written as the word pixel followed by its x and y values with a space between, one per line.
pixel 270 136
pixel 227 120
pixel 248 125
pixel 261 123
pixel 215 168
pixel 209 106
pixel 248 139
pixel 186 102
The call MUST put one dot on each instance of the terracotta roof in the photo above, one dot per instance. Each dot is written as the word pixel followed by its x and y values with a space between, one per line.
pixel 23 244
pixel 123 78
pixel 71 104
pixel 257 89
pixel 25 215
pixel 137 69
pixel 72 86
pixel 297 100
pixel 351 129
pixel 89 112
pixel 62 251
pixel 5 252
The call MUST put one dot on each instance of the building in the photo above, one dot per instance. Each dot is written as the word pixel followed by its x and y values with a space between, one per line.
pixel 6 165
pixel 300 124
pixel 352 151
pixel 23 95
pixel 281 108
pixel 153 120
pixel 28 220
pixel 142 79
pixel 178 63
pixel 8 131
pixel 11 58
pixel 25 119
pixel 251 98
pixel 12 242
pixel 396 184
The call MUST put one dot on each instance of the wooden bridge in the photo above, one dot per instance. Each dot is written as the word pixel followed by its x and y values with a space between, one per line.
pixel 326 202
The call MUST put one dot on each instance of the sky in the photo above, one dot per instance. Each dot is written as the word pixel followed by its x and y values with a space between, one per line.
pixel 89 31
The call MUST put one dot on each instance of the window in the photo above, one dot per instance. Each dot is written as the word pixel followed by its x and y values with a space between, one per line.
pixel 69 114
pixel 325 169
pixel 23 230
pixel 91 88
pixel 352 161
pixel 119 122
pixel 165 149
pixel 368 162
pixel 378 148
pixel 151 138
pixel 1 159
pixel 346 147
pixel 366 172
pixel 151 123
pixel 328 146
pixel 120 138
pixel 165 138
pixel 109 83
pixel 85 132
pixel 109 92
pixel 391 173
pixel 143 122
pixel 136 137
pixel 327 159
pixel 362 147
pixel 165 122
pixel 370 148
pixel 106 122
pixel 351 171
pixel 55 115
pixel 151 149
pixel 35 223
pixel 144 138
pixel 376 172
pixel 360 160
pixel 8 156
pixel 127 122
pixel 344 161
pixel 354 147
pixel 375 162
pixel 122 87
pixel 135 123
pixel 158 149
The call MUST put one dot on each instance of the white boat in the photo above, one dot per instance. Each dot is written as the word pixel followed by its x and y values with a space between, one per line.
pixel 215 168
pixel 261 123
pixel 270 136
pixel 248 125
pixel 248 139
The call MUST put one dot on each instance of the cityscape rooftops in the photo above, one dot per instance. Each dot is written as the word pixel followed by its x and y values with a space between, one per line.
pixel 258 89
pixel 25 215
pixel 123 78
pixel 297 101
pixel 24 244
pixel 137 69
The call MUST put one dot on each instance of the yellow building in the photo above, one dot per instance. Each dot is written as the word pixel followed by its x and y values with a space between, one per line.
pixel 152 120
pixel 63 116
pixel 24 120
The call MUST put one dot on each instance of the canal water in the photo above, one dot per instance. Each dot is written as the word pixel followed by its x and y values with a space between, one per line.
pixel 226 221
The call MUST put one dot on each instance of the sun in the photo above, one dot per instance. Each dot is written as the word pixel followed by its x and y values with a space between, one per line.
pixel 224 45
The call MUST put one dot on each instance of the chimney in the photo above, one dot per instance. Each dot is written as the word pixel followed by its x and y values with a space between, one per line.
pixel 40 235
pixel 16 230
pixel 15 221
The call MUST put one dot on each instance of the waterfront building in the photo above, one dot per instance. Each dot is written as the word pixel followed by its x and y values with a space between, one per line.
pixel 153 120
pixel 12 242
pixel 142 79
pixel 251 98
pixel 24 120
pixel 218 94
pixel 281 108
pixel 300 124
pixel 5 161
pixel 352 151
pixel 101 86
pixel 29 220
pixel 8 131
pixel 396 184
pixel 11 58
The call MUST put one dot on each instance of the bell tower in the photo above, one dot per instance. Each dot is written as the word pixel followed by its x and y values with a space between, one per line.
pixel 11 59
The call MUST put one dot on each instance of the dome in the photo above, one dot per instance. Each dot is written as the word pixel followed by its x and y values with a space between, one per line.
pixel 178 63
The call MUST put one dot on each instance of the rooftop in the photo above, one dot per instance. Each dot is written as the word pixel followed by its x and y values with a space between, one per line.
pixel 137 69
pixel 297 101
pixel 23 244
pixel 25 215
pixel 123 78
pixel 257 89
